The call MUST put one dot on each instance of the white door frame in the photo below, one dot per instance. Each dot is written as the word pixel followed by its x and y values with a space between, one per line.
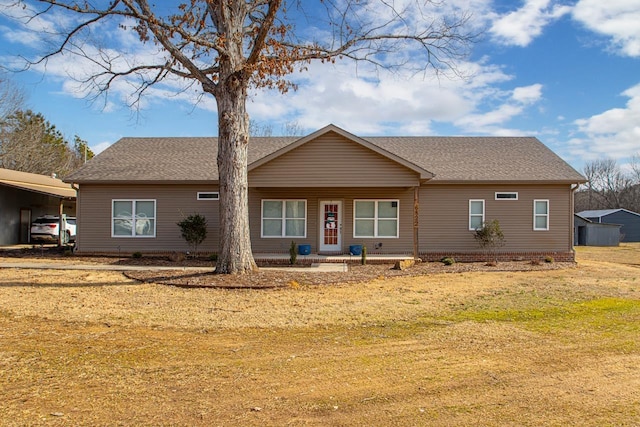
pixel 327 224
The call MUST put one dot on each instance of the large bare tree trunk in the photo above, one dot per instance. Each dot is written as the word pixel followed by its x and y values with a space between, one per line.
pixel 235 255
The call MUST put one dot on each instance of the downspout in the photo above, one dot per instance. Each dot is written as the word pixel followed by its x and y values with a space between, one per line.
pixel 416 221
pixel 76 241
pixel 574 188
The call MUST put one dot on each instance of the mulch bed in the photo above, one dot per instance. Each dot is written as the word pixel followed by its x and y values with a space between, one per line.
pixel 270 279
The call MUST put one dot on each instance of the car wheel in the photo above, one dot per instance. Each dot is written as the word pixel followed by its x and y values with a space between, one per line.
pixel 66 237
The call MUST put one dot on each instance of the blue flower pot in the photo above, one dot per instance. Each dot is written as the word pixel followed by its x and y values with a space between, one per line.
pixel 304 249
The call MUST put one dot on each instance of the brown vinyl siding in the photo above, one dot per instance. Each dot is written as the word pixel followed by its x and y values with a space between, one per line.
pixel 332 161
pixel 313 196
pixel 173 202
pixel 444 217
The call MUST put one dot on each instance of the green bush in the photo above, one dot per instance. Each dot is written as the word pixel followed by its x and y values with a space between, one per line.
pixel 549 259
pixel 213 257
pixel 137 255
pixel 194 230
pixel 448 261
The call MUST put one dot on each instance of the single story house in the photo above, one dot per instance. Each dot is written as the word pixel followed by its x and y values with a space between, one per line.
pixel 589 233
pixel 630 221
pixel 25 196
pixel 331 189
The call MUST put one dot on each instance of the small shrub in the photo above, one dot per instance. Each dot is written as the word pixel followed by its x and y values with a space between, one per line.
pixel 213 257
pixel 293 253
pixel 363 259
pixel 448 260
pixel 137 255
pixel 535 262
pixel 194 230
pixel 67 253
pixel 549 259
pixel 490 237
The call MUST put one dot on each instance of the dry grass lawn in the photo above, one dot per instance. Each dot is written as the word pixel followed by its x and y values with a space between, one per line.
pixel 557 347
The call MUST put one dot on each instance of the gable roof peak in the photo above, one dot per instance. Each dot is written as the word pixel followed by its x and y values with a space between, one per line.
pixel 424 174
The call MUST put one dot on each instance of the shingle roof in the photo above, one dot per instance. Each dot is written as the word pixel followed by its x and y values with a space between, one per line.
pixel 36 183
pixel 482 158
pixel 451 159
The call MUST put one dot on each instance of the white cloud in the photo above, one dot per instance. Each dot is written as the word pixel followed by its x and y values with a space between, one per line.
pixel 378 101
pixel 509 105
pixel 614 133
pixel 618 19
pixel 521 26
pixel 528 94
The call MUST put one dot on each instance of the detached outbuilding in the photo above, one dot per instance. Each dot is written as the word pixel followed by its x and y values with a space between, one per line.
pixel 589 233
pixel 25 196
pixel 629 221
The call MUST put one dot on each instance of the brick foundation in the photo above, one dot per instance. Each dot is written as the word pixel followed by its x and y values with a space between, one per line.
pixel 500 256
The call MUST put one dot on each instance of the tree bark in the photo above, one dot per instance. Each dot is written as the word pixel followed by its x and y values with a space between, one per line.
pixel 235 256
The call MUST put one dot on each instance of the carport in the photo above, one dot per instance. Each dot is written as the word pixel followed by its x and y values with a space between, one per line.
pixel 25 196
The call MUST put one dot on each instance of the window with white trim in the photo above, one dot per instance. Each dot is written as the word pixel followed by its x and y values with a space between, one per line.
pixel 541 215
pixel 208 195
pixel 284 218
pixel 133 218
pixel 376 218
pixel 506 195
pixel 476 214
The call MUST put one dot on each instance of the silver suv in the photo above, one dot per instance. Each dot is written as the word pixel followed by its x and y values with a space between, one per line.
pixel 45 229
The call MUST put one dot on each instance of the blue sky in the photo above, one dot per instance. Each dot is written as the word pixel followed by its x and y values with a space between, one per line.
pixel 567 72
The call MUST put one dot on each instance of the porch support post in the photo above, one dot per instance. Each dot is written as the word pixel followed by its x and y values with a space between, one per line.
pixel 416 222
pixel 61 227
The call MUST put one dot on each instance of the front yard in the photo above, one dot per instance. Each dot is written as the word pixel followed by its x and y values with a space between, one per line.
pixel 548 347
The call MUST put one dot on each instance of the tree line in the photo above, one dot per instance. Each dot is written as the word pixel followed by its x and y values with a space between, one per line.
pixel 610 186
pixel 30 143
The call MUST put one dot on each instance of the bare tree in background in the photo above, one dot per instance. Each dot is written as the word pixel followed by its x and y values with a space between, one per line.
pixel 11 98
pixel 610 187
pixel 226 47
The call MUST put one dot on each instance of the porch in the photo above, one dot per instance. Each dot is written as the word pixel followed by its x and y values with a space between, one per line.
pixel 266 259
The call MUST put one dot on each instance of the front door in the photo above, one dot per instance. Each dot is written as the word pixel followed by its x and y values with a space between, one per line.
pixel 331 226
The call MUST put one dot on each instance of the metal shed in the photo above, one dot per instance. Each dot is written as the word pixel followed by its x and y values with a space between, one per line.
pixel 629 221
pixel 589 233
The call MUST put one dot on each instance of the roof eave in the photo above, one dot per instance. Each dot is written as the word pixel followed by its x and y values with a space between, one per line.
pixel 143 182
pixel 503 182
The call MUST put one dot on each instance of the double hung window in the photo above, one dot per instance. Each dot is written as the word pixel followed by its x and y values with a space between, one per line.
pixel 541 215
pixel 133 218
pixel 376 218
pixel 284 218
pixel 476 214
